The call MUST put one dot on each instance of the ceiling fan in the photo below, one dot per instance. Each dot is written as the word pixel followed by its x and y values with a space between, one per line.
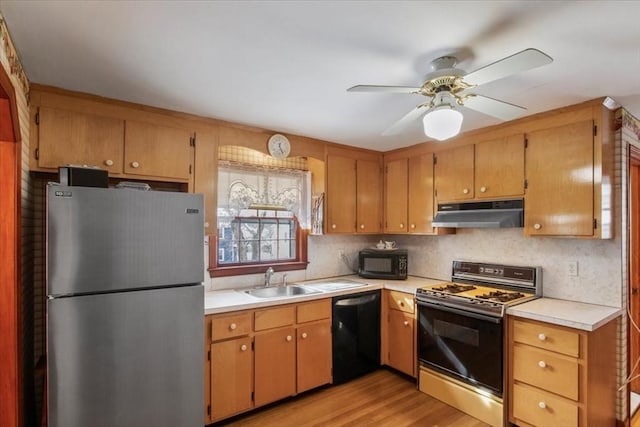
pixel 447 89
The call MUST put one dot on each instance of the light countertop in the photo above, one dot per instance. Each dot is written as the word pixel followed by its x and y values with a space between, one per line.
pixel 224 301
pixel 588 317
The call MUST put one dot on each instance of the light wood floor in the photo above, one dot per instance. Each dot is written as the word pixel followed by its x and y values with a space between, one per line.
pixel 381 398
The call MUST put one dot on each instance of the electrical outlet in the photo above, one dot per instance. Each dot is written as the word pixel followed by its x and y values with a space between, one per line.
pixel 572 268
pixel 340 253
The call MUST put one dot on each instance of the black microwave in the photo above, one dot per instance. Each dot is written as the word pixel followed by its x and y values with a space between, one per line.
pixel 383 264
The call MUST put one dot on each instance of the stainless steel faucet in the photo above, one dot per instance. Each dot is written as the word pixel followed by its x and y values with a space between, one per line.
pixel 267 276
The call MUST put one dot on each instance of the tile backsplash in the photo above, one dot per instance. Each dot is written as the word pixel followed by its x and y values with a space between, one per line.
pixel 599 270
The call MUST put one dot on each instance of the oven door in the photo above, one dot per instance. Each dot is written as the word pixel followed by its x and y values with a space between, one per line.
pixel 465 345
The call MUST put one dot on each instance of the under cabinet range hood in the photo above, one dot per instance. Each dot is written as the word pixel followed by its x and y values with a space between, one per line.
pixel 495 214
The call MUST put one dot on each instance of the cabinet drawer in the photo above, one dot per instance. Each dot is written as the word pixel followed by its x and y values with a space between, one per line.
pixel 234 325
pixel 547 336
pixel 274 318
pixel 401 301
pixel 316 310
pixel 546 370
pixel 539 408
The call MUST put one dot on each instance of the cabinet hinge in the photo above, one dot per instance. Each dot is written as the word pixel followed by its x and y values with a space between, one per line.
pixel 435 160
pixel 526 143
pixel 253 345
pixel 595 223
pixel 209 355
pixel 37 153
pixel 595 130
pixel 253 396
pixel 38 118
pixel 526 184
pixel 386 169
pixel 190 169
pixel 435 192
pixel 192 141
pixel 208 409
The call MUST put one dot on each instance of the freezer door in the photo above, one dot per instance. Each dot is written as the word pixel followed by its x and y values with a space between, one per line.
pixel 126 359
pixel 101 240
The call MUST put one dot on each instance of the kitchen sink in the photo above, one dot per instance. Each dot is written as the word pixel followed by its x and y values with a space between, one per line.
pixel 281 291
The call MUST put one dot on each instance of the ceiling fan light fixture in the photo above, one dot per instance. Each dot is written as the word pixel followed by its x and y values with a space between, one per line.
pixel 442 122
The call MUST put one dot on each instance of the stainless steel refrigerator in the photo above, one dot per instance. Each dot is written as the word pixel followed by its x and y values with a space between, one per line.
pixel 124 307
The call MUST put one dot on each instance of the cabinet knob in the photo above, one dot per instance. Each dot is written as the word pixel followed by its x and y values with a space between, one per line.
pixel 537 226
pixel 333 226
pixel 413 226
pixel 401 303
pixel 406 323
pixel 542 405
pixel 401 225
pixel 483 189
pixel 465 191
pixel 108 162
pixel 542 364
pixel 361 226
pixel 542 337
pixel 232 327
pixel 243 347
pixel 135 164
pixel 304 335
pixel 289 338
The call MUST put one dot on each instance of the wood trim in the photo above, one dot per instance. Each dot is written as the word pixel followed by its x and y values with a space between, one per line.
pixel 10 361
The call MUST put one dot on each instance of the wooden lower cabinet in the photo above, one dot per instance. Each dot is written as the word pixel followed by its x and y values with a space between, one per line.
pixel 400 332
pixel 275 363
pixel 560 376
pixel 231 377
pixel 256 357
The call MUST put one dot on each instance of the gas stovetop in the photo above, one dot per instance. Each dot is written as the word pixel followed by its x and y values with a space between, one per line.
pixel 484 288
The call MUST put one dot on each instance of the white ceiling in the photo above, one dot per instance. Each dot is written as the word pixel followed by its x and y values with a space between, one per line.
pixel 286 65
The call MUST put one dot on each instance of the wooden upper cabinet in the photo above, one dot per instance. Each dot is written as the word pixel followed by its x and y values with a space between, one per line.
pixel 368 196
pixel 420 195
pixel 560 181
pixel 154 150
pixel 396 196
pixel 68 137
pixel 454 174
pixel 499 168
pixel 341 194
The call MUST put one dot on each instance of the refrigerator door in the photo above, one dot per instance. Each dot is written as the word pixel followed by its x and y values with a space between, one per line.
pixel 102 240
pixel 127 359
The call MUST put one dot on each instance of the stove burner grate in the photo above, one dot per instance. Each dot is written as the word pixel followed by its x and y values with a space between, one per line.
pixel 454 288
pixel 501 296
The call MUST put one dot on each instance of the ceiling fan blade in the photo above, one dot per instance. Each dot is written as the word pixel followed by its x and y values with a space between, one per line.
pixel 493 107
pixel 412 115
pixel 516 63
pixel 374 88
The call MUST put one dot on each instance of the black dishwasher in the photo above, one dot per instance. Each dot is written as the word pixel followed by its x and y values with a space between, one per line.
pixel 356 335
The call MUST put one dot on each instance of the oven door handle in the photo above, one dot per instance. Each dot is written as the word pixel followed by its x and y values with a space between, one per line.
pixel 467 313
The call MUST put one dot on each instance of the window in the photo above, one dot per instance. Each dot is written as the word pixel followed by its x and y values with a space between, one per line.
pixel 263 217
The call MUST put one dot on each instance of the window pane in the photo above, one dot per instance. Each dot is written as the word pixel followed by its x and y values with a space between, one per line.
pixel 286 249
pixel 269 229
pixel 268 250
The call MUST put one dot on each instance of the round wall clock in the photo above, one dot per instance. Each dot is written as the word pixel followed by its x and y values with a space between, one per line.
pixel 279 146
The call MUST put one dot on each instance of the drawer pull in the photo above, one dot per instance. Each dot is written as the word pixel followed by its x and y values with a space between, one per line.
pixel 135 165
pixel 304 335
pixel 406 323
pixel 108 162
pixel 401 225
pixel 413 226
pixel 542 405
pixel 232 327
pixel 483 189
pixel 537 226
pixel 542 337
pixel 465 191
pixel 542 364
pixel 289 338
pixel 400 303
pixel 243 347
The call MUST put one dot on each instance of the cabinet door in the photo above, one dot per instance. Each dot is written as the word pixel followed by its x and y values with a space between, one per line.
pixel 454 174
pixel 231 377
pixel 275 365
pixel 368 196
pixel 314 355
pixel 396 205
pixel 67 137
pixel 341 194
pixel 421 206
pixel 159 151
pixel 559 195
pixel 401 348
pixel 499 168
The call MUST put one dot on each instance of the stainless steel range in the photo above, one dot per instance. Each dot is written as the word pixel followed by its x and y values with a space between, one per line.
pixel 461 333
